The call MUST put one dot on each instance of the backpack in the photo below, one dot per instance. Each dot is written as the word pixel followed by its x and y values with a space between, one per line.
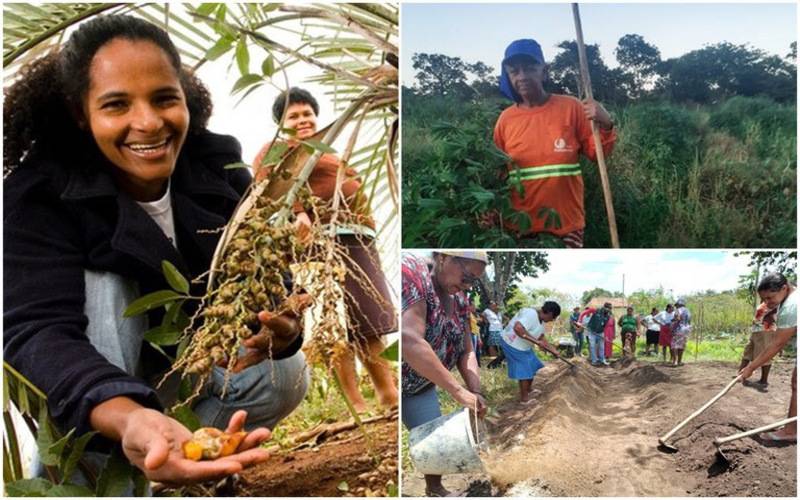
pixel 597 323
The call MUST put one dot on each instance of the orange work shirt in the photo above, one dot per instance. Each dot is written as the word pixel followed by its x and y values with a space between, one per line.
pixel 545 143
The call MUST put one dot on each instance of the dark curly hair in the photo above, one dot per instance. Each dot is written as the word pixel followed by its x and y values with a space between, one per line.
pixel 41 109
pixel 772 282
pixel 296 96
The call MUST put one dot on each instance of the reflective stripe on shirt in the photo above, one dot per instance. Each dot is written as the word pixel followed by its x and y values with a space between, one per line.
pixel 545 171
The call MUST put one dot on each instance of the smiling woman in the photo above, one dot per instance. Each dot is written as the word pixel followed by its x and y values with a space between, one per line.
pixel 109 172
pixel 137 114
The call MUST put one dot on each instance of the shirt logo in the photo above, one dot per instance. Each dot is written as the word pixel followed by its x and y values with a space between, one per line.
pixel 560 146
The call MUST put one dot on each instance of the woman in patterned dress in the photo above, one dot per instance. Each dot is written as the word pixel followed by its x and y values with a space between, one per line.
pixel 681 329
pixel 436 337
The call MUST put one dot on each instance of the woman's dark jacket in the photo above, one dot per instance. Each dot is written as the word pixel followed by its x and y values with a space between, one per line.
pixel 60 221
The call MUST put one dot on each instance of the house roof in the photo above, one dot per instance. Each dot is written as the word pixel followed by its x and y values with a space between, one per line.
pixel 616 302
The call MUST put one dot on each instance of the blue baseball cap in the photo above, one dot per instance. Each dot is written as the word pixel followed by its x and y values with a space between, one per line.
pixel 525 47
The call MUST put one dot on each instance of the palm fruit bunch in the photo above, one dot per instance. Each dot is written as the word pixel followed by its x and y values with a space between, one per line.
pixel 250 275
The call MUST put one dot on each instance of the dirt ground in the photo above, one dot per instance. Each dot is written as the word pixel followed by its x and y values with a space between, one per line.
pixel 595 432
pixel 332 464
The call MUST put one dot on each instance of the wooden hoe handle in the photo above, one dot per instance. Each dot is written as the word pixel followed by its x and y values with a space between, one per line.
pixel 702 409
pixel 598 144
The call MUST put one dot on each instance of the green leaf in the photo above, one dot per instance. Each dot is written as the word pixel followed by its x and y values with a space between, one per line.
pixel 275 154
pixel 6 392
pixel 181 320
pixel 289 131
pixel 163 335
pixel 174 277
pixel 116 476
pixel 36 487
pixel 22 400
pixel 319 146
pixel 234 166
pixel 185 389
pixel 431 203
pixel 391 490
pixel 222 46
pixel 182 346
pixel 268 66
pixel 245 81
pixel 151 301
pixel 343 486
pixel 173 311
pixel 242 56
pixel 57 449
pixel 222 11
pixel 45 438
pixel 522 220
pixel 69 490
pixel 187 417
pixel 75 453
pixel 205 9
pixel 392 353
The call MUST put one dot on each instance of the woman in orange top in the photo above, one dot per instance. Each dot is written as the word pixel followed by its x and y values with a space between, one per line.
pixel 544 135
pixel 370 318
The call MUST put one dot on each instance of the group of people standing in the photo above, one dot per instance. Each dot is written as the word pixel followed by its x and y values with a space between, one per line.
pixel 669 329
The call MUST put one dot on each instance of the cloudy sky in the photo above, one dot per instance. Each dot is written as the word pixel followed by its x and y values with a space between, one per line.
pixel 681 272
pixel 481 31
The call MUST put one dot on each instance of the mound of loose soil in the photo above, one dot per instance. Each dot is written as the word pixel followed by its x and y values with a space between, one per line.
pixel 594 432
pixel 342 464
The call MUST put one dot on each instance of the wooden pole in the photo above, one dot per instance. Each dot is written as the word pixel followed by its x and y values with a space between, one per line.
pixel 598 145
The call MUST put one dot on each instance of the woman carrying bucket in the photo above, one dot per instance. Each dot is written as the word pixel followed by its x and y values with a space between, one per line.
pixel 436 338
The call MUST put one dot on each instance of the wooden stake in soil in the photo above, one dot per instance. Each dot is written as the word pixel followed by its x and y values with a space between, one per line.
pixel 598 145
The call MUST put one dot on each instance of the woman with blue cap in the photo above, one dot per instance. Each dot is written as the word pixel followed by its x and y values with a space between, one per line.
pixel 544 134
pixel 437 337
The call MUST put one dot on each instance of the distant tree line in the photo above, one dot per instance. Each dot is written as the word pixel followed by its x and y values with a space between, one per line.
pixel 708 75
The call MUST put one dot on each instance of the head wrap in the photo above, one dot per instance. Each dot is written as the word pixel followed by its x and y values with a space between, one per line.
pixel 524 47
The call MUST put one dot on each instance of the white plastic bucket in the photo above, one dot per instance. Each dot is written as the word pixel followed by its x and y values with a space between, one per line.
pixel 446 445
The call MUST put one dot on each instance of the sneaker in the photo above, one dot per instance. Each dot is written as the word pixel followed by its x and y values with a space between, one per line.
pixel 606 363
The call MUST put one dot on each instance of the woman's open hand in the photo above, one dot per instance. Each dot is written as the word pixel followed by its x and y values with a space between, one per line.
pixel 153 442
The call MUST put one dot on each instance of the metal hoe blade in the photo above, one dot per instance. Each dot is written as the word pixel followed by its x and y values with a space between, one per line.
pixel 722 440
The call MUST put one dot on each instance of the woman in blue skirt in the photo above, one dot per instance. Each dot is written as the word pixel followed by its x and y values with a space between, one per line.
pixel 525 330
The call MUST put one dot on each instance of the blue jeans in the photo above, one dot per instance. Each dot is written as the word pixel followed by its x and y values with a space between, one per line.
pixel 269 391
pixel 578 337
pixel 420 408
pixel 597 349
